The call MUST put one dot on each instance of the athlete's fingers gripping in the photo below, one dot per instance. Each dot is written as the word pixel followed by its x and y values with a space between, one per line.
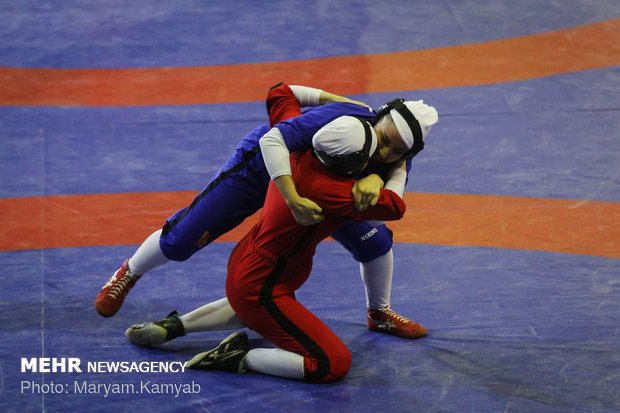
pixel 366 192
pixel 306 212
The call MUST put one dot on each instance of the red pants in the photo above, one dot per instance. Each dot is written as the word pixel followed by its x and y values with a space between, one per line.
pixel 261 291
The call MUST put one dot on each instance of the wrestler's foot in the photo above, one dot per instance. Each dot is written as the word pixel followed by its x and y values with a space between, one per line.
pixel 387 321
pixel 156 332
pixel 112 294
pixel 228 356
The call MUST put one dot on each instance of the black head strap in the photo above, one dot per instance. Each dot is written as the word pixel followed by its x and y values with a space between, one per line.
pixel 400 107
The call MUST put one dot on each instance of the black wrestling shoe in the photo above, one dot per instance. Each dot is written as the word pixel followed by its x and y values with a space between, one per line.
pixel 156 332
pixel 228 356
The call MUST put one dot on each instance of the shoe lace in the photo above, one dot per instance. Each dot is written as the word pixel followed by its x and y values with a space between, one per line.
pixel 394 315
pixel 120 285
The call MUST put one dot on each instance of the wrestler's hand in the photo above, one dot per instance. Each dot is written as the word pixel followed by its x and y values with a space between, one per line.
pixel 305 211
pixel 366 191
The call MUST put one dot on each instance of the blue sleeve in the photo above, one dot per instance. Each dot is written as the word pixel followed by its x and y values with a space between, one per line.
pixel 298 131
pixel 408 165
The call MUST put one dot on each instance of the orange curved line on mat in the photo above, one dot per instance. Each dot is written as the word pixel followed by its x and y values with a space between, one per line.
pixel 574 49
pixel 579 227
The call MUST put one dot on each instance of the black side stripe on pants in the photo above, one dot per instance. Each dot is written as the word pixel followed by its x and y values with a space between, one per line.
pixel 266 300
pixel 236 168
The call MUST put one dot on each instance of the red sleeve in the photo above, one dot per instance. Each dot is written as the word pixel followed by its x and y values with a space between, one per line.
pixel 333 192
pixel 281 104
pixel 390 207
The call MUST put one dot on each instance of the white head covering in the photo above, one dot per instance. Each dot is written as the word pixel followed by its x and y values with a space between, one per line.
pixel 426 115
pixel 343 136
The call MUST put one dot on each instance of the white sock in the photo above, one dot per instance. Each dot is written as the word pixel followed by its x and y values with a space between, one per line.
pixel 217 315
pixel 377 277
pixel 276 362
pixel 148 255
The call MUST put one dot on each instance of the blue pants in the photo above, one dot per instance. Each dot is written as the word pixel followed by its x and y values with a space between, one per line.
pixel 237 191
pixel 365 241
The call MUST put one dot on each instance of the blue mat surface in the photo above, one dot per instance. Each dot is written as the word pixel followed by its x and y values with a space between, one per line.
pixel 509 330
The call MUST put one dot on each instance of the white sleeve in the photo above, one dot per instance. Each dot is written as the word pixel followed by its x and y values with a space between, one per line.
pixel 306 96
pixel 275 153
pixel 396 182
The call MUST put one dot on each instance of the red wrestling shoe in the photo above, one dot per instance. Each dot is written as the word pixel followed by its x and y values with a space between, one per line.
pixel 112 294
pixel 387 321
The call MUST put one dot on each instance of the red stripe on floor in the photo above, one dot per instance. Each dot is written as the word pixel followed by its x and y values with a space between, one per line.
pixel 579 227
pixel 575 49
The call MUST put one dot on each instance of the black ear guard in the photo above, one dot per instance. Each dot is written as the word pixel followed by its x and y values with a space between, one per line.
pixel 399 105
pixel 351 164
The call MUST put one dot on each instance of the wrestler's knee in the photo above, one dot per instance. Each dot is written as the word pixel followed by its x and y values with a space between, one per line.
pixel 375 246
pixel 340 366
pixel 176 248
pixel 364 241
pixel 328 368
